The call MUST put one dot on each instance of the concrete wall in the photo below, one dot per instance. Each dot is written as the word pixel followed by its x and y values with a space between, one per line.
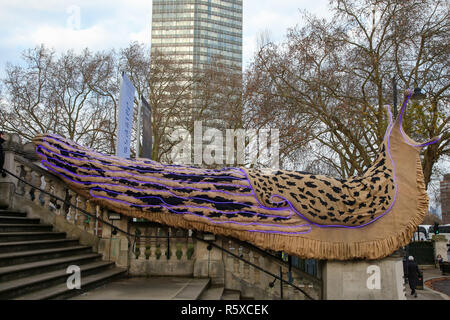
pixel 364 280
pixel 440 246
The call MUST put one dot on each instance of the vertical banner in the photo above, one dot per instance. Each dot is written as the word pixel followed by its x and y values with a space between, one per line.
pixel 147 129
pixel 125 120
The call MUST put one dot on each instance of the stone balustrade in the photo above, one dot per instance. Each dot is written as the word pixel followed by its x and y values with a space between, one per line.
pixel 253 282
pixel 39 177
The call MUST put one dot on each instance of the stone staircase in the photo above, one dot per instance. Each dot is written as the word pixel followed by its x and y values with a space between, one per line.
pixel 157 288
pixel 34 259
pixel 218 292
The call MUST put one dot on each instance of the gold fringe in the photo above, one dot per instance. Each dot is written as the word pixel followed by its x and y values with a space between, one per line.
pixel 302 246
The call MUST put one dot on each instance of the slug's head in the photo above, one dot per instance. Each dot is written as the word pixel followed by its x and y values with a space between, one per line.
pixel 395 125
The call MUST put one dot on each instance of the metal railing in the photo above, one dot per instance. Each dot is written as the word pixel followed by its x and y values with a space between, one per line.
pixel 135 236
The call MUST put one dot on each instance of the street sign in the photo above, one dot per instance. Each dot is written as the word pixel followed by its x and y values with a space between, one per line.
pixel 125 120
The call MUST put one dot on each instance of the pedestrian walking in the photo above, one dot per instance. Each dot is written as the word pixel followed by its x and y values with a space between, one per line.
pixel 413 275
pixel 439 260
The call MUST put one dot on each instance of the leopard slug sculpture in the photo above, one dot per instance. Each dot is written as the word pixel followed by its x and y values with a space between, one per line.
pixel 307 215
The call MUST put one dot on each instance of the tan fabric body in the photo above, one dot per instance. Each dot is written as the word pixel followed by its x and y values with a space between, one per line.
pixel 372 241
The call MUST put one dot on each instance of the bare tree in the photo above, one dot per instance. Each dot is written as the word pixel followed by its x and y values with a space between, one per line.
pixel 339 72
pixel 58 95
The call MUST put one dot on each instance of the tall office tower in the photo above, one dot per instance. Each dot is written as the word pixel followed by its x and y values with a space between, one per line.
pixel 198 32
pixel 204 39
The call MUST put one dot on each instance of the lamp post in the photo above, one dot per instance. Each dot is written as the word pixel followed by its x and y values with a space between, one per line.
pixel 418 95
pixel 394 90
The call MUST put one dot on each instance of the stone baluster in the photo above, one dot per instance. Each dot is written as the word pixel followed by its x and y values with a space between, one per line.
pixel 90 208
pixel 20 172
pixel 27 178
pixel 256 272
pixel 71 216
pixel 82 219
pixel 39 195
pixel 98 227
pixel 236 261
pixel 152 243
pixel 246 266
pixel 52 190
pixel 35 181
pixel 46 197
pixel 169 246
pixel 60 192
pixel 92 221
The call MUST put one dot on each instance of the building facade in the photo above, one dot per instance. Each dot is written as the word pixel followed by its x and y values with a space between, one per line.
pixel 196 32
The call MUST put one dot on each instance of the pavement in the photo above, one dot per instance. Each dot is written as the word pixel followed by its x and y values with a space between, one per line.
pixel 435 287
pixel 153 288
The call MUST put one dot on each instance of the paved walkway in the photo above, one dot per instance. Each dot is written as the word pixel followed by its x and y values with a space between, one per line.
pixel 436 286
pixel 153 288
pixel 170 288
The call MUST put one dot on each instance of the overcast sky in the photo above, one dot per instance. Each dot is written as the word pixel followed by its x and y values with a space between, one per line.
pixel 106 24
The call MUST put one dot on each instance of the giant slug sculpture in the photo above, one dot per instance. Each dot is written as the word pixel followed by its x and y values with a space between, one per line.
pixel 310 216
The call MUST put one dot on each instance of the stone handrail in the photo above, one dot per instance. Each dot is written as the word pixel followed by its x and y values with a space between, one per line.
pixel 39 177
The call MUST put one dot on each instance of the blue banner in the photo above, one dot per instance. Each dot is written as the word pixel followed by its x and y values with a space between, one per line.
pixel 125 121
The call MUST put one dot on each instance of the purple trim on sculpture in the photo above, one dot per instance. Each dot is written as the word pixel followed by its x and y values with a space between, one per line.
pixel 135 162
pixel 137 181
pixel 201 207
pixel 138 189
pixel 192 213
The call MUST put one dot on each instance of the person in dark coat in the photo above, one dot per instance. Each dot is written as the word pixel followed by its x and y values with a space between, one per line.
pixel 413 275
pixel 2 155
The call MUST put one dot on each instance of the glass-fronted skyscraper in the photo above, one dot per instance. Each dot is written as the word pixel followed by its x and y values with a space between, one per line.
pixel 197 32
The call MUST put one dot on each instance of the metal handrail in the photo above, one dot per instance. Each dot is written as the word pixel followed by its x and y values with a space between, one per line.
pixel 135 236
pixel 87 213
pixel 278 259
pixel 254 265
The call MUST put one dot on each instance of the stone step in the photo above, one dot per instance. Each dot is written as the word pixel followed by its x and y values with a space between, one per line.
pixel 4 227
pixel 18 220
pixel 214 292
pixel 231 295
pixel 12 258
pixel 87 283
pixel 193 290
pixel 12 213
pixel 15 246
pixel 24 286
pixel 26 236
pixel 32 268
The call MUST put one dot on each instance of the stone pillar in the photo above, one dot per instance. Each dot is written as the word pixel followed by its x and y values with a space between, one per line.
pixel 440 246
pixel 209 263
pixel 364 279
pixel 13 143
pixel 115 247
pixel 9 183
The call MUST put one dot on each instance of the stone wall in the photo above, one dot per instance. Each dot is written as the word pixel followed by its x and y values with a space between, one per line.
pixel 364 280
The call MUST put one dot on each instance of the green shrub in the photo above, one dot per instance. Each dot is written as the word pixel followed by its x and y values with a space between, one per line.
pixel 190 251
pixel 179 252
pixel 148 252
